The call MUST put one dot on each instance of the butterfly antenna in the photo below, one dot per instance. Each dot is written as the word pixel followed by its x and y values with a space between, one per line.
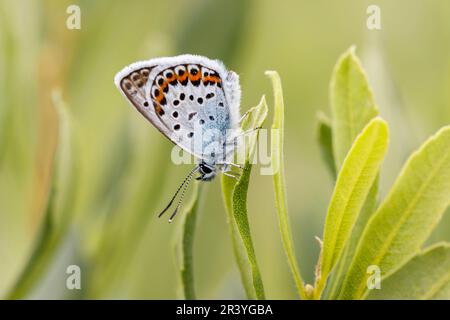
pixel 188 178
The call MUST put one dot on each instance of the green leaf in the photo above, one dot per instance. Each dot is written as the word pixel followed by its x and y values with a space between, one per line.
pixel 239 250
pixel 240 215
pixel 352 103
pixel 277 137
pixel 406 217
pixel 57 213
pixel 344 261
pixel 184 246
pixel 235 198
pixel 66 166
pixel 426 276
pixel 353 184
pixel 325 140
pixel 352 107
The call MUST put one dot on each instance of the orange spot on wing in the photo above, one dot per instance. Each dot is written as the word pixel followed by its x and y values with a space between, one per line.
pixel 213 79
pixel 160 97
pixel 195 77
pixel 172 78
pixel 163 86
pixel 183 76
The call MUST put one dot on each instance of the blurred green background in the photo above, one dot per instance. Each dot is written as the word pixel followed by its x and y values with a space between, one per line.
pixel 119 174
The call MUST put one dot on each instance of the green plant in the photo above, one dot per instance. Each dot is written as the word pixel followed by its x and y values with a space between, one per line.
pixel 279 182
pixel 358 233
pixel 390 235
pixel 185 243
pixel 58 213
pixel 235 198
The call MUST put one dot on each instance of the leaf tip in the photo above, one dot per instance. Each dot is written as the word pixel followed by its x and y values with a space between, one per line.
pixel 378 121
pixel 352 50
pixel 322 117
pixel 270 73
pixel 273 75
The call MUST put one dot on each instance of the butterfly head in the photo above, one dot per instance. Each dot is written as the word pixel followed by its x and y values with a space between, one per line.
pixel 207 171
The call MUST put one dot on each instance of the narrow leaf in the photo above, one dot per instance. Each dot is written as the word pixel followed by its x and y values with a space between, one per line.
pixel 352 107
pixel 239 251
pixel 353 184
pixel 352 103
pixel 185 245
pixel 325 140
pixel 57 213
pixel 344 261
pixel 406 217
pixel 235 198
pixel 277 136
pixel 240 215
pixel 426 276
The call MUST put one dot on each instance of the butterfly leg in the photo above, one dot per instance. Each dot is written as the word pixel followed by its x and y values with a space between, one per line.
pixel 245 115
pixel 232 164
pixel 226 170
pixel 249 131
pixel 232 140
pixel 234 176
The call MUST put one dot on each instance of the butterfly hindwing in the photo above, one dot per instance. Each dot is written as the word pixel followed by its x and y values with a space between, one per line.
pixel 183 97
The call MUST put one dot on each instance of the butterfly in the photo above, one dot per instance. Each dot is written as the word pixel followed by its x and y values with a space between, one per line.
pixel 193 101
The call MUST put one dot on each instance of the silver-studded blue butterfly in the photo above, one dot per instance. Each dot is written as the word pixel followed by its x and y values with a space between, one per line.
pixel 194 101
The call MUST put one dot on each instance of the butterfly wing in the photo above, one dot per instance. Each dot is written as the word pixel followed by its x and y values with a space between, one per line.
pixel 184 97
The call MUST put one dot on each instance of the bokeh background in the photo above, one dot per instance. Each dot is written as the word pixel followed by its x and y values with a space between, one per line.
pixel 119 173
